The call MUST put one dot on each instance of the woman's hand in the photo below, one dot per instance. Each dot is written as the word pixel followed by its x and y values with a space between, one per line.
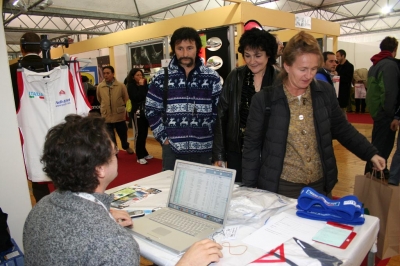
pixel 121 217
pixel 201 253
pixel 378 162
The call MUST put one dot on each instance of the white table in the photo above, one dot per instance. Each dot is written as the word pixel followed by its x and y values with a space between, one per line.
pixel 352 255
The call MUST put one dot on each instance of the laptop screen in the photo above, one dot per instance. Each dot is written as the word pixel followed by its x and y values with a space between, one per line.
pixel 201 190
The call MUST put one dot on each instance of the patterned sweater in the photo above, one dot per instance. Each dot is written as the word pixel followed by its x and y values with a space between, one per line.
pixel 191 107
pixel 64 229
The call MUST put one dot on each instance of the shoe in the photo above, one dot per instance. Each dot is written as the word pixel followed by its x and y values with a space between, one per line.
pixel 142 161
pixel 148 157
pixel 130 151
pixel 212 44
pixel 212 64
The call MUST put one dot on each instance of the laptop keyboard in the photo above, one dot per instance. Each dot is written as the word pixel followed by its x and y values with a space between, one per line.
pixel 180 222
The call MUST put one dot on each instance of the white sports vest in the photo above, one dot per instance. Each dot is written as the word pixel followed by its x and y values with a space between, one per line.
pixel 45 99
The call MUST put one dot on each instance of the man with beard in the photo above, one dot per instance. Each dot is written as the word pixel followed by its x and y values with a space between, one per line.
pixel 182 113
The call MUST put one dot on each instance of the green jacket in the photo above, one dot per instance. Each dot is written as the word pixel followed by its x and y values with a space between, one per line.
pixel 383 88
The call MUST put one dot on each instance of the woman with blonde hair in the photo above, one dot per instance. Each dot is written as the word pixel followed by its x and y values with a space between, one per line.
pixel 292 148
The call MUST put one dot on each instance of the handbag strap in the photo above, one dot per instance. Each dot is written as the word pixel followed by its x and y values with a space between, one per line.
pixel 165 95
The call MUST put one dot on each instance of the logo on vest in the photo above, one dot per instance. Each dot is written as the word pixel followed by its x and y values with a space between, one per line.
pixel 63 102
pixel 35 94
pixel 61 92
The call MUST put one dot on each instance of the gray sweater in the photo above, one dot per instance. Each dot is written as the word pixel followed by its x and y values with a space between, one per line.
pixel 64 229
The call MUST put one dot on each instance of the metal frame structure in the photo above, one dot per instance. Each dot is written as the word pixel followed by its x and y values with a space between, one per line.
pixel 354 16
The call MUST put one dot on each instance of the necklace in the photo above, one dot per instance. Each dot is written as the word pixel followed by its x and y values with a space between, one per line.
pixel 257 84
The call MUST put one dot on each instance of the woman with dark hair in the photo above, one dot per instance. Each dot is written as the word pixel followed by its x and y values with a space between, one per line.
pixel 258 49
pixel 293 148
pixel 137 91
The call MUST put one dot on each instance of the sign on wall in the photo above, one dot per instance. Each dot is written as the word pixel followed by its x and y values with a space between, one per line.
pixel 147 56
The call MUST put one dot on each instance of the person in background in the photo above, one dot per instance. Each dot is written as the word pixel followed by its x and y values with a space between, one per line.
pixel 360 76
pixel 113 96
pixel 345 70
pixel 186 127
pixel 325 73
pixel 137 91
pixel 86 85
pixel 305 117
pixel 258 48
pixel 383 98
pixel 74 225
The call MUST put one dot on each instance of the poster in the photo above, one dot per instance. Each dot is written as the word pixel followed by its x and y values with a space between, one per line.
pixel 215 50
pixel 147 56
pixel 91 73
pixel 102 61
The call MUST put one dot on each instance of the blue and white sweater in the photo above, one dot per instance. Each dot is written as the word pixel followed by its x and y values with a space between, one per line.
pixel 191 107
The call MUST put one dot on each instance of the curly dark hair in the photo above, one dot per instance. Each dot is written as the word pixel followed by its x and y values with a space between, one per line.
pixel 259 39
pixel 132 73
pixel 182 34
pixel 73 150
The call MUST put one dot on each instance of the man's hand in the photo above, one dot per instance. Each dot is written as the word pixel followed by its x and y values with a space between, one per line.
pixel 394 126
pixel 121 217
pixel 378 162
pixel 219 163
pixel 201 253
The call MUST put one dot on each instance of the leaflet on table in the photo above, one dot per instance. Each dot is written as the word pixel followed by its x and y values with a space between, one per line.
pixel 136 193
pixel 281 228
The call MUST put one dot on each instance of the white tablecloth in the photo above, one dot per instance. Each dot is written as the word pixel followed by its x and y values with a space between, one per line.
pixel 352 255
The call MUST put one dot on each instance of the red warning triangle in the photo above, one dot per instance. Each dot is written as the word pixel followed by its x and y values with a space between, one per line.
pixel 275 255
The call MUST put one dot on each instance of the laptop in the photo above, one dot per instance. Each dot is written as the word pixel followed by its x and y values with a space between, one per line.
pixel 198 205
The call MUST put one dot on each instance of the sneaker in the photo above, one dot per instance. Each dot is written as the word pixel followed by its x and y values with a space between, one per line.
pixel 142 161
pixel 212 44
pixel 130 151
pixel 148 157
pixel 212 64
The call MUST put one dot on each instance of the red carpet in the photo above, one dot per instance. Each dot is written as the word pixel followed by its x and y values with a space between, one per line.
pixel 129 170
pixel 360 118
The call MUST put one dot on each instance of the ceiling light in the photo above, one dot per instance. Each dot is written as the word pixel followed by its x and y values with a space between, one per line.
pixel 45 3
pixel 20 4
pixel 386 9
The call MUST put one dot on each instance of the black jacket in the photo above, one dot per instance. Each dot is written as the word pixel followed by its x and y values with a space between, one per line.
pixel 31 62
pixel 329 123
pixel 226 131
pixel 137 95
pixel 345 72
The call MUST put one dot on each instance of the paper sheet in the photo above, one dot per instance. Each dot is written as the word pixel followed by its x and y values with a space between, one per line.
pixel 281 228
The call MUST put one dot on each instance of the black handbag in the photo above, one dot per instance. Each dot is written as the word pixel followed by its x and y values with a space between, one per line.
pixel 5 238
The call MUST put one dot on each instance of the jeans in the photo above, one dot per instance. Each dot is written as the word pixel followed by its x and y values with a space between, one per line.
pixel 169 157
pixel 383 139
pixel 122 131
pixel 394 177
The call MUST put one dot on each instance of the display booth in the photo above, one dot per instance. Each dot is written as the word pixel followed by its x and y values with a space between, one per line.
pixel 224 24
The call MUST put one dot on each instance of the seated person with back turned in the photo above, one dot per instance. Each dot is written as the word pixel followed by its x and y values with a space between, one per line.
pixel 293 149
pixel 74 225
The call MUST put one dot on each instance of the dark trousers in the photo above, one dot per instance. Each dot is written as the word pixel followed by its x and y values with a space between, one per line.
pixel 169 157
pixel 142 128
pixel 360 102
pixel 122 131
pixel 234 161
pixel 292 190
pixel 383 139
pixel 39 190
